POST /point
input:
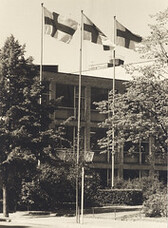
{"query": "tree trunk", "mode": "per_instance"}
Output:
(5, 206)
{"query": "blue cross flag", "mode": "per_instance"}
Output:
(58, 26)
(95, 35)
(126, 38)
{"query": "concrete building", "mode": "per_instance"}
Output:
(95, 88)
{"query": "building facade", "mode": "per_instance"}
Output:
(96, 89)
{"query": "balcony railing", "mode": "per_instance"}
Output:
(67, 154)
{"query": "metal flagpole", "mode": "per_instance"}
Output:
(82, 193)
(78, 128)
(113, 112)
(41, 60)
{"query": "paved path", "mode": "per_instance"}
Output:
(18, 220)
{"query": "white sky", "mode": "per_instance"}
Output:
(22, 18)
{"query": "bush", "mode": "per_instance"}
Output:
(156, 205)
(92, 186)
(92, 183)
(120, 196)
(149, 185)
(55, 187)
(48, 190)
(130, 192)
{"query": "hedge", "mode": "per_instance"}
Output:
(120, 196)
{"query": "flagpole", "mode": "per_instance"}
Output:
(41, 60)
(113, 112)
(79, 117)
(83, 169)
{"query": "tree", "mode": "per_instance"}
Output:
(24, 123)
(141, 113)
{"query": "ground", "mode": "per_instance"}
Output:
(114, 219)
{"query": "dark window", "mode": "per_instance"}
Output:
(163, 176)
(129, 147)
(130, 174)
(95, 135)
(70, 136)
(98, 94)
(67, 94)
(45, 95)
(69, 98)
(145, 147)
(82, 102)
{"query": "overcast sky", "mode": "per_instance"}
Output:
(22, 18)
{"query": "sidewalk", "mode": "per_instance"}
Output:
(23, 219)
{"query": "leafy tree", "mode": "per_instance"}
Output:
(141, 113)
(24, 123)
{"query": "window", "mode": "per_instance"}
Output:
(98, 94)
(130, 174)
(67, 94)
(82, 104)
(45, 95)
(130, 147)
(95, 135)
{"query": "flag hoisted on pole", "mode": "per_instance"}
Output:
(63, 29)
(125, 37)
(59, 26)
(92, 33)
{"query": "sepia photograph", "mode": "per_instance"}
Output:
(83, 113)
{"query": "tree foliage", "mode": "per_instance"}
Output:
(142, 111)
(25, 132)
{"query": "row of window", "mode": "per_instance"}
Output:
(69, 94)
(70, 133)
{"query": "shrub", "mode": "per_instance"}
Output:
(48, 189)
(149, 185)
(55, 187)
(92, 183)
(119, 196)
(92, 186)
(156, 205)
